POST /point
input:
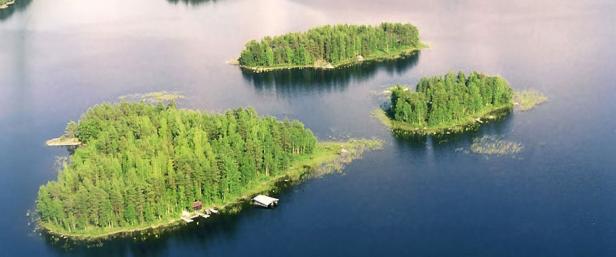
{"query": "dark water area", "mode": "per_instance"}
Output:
(416, 197)
(299, 82)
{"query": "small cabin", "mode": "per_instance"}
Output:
(197, 205)
(264, 201)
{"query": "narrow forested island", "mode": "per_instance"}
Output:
(447, 104)
(140, 165)
(331, 46)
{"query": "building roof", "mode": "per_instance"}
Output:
(264, 199)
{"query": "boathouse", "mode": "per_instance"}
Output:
(264, 201)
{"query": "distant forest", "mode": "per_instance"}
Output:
(448, 99)
(333, 45)
(142, 163)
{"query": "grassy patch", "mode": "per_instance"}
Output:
(153, 97)
(527, 99)
(63, 141)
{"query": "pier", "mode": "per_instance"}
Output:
(198, 211)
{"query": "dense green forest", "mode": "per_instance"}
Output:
(143, 163)
(442, 101)
(335, 45)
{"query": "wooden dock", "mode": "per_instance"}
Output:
(186, 216)
(191, 216)
(202, 215)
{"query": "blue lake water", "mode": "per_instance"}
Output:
(416, 197)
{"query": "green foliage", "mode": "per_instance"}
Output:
(447, 99)
(142, 163)
(71, 129)
(332, 44)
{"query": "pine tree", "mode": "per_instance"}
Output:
(144, 163)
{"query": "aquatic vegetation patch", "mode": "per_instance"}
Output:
(153, 97)
(495, 145)
(526, 100)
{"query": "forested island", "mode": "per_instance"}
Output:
(140, 165)
(447, 104)
(331, 46)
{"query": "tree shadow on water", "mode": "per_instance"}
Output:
(18, 6)
(445, 142)
(296, 82)
(196, 236)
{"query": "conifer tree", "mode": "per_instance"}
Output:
(142, 163)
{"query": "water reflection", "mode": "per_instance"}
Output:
(297, 82)
(501, 126)
(191, 2)
(19, 5)
(156, 243)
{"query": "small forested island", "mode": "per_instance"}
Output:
(447, 104)
(141, 165)
(6, 3)
(331, 46)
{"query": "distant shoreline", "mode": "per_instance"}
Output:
(329, 66)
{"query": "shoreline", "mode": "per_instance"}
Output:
(464, 125)
(333, 155)
(7, 5)
(63, 141)
(329, 66)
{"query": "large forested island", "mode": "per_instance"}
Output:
(140, 165)
(331, 46)
(448, 103)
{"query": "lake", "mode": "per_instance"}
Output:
(416, 197)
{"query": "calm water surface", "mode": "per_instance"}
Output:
(414, 198)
